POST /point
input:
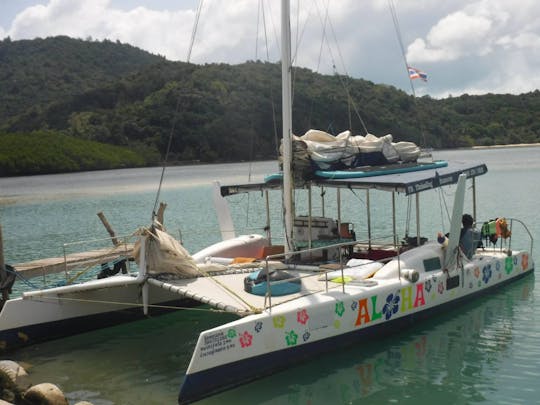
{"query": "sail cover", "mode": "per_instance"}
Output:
(164, 254)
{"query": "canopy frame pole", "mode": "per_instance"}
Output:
(368, 218)
(394, 219)
(417, 219)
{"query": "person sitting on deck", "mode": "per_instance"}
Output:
(469, 238)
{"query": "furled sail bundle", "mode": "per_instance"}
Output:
(164, 254)
(328, 152)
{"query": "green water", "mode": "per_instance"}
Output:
(487, 351)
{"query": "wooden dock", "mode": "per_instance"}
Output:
(43, 267)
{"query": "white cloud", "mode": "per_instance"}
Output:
(163, 32)
(226, 30)
(477, 29)
(456, 35)
(464, 46)
(522, 40)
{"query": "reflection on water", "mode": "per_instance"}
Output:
(137, 363)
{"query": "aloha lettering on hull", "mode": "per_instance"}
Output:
(343, 313)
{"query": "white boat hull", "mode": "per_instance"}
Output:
(260, 344)
(65, 311)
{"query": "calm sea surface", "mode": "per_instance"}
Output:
(487, 351)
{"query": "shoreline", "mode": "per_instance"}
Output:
(512, 145)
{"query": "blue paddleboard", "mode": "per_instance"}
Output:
(367, 172)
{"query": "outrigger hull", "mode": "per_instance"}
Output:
(61, 313)
(261, 344)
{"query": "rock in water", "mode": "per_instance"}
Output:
(14, 372)
(13, 380)
(45, 394)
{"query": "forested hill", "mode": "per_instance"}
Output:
(40, 71)
(115, 94)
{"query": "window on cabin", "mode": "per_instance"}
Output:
(432, 264)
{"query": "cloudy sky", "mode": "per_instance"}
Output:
(465, 46)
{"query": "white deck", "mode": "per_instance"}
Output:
(226, 292)
(42, 267)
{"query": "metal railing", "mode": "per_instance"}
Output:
(316, 269)
(508, 241)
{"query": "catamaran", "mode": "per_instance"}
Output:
(320, 288)
(326, 289)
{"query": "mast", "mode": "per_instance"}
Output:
(286, 91)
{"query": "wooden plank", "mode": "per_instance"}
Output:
(53, 265)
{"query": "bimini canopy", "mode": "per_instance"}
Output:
(408, 183)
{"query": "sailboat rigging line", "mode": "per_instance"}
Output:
(276, 36)
(258, 23)
(164, 165)
(130, 304)
(357, 196)
(395, 20)
(341, 77)
(298, 40)
(325, 22)
(272, 102)
(442, 202)
(175, 115)
(299, 33)
(229, 291)
(194, 32)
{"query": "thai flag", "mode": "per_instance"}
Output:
(417, 74)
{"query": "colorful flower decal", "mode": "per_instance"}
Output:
(508, 265)
(477, 272)
(231, 334)
(498, 266)
(245, 339)
(524, 261)
(391, 306)
(486, 273)
(302, 316)
(279, 322)
(427, 285)
(340, 308)
(354, 305)
(291, 338)
(337, 324)
(440, 287)
(258, 326)
(515, 260)
(306, 336)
